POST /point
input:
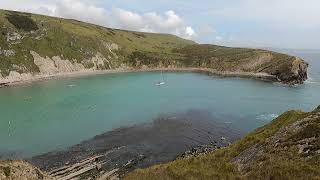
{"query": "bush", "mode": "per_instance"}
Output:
(22, 22)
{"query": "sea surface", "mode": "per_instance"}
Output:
(53, 115)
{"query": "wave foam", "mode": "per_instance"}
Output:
(267, 117)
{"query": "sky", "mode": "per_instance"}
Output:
(243, 23)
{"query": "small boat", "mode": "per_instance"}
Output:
(160, 83)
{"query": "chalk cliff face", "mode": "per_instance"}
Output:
(46, 46)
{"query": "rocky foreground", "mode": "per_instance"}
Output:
(286, 148)
(20, 170)
(34, 47)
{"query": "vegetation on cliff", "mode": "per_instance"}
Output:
(286, 148)
(23, 36)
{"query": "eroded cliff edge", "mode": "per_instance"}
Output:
(34, 47)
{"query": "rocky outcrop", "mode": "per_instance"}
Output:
(55, 66)
(20, 170)
(299, 70)
(15, 76)
(7, 53)
(294, 73)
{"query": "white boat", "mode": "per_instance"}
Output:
(160, 83)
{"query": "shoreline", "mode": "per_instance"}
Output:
(122, 150)
(75, 74)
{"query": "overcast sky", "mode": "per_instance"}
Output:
(253, 23)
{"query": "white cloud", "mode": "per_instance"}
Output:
(283, 13)
(169, 22)
(275, 23)
(85, 10)
(189, 31)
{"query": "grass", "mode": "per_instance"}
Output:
(73, 40)
(273, 163)
(79, 41)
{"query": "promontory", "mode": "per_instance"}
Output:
(34, 47)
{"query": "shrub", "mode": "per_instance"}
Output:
(22, 22)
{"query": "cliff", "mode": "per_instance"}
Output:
(286, 148)
(35, 46)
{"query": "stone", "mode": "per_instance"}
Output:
(99, 167)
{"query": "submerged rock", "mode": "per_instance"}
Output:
(126, 149)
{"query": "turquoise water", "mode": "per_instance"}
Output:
(55, 114)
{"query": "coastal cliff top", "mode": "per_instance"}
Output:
(286, 148)
(41, 45)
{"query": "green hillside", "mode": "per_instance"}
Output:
(40, 44)
(286, 148)
(72, 40)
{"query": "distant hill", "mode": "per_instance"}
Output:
(35, 45)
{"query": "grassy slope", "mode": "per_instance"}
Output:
(270, 152)
(78, 41)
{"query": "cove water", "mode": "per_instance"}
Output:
(52, 115)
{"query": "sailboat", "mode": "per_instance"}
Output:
(160, 83)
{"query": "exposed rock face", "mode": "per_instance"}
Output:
(99, 62)
(15, 76)
(294, 73)
(56, 65)
(7, 53)
(299, 69)
(66, 65)
(13, 36)
(20, 170)
(45, 65)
